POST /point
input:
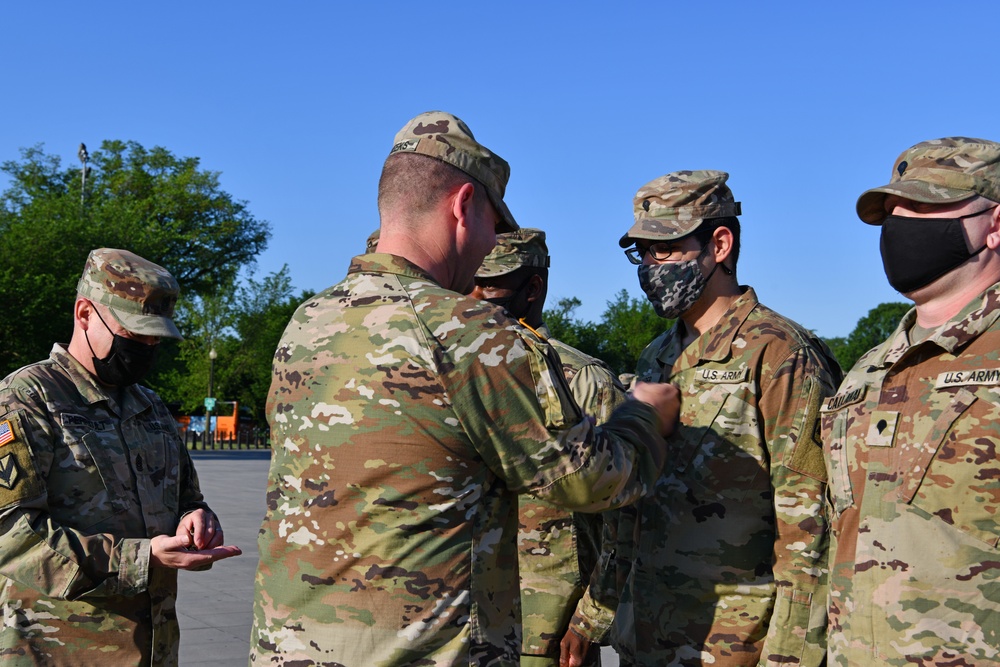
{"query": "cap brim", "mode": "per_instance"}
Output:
(495, 272)
(147, 325)
(871, 204)
(637, 233)
(507, 222)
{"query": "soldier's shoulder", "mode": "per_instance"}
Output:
(38, 377)
(767, 324)
(658, 343)
(576, 358)
(777, 338)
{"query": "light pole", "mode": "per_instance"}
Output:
(84, 158)
(210, 403)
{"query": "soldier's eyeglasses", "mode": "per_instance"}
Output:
(660, 251)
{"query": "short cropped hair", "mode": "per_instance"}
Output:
(704, 233)
(418, 182)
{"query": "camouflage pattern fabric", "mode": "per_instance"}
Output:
(445, 137)
(729, 567)
(674, 205)
(673, 287)
(86, 479)
(940, 171)
(558, 550)
(404, 418)
(911, 447)
(516, 250)
(140, 294)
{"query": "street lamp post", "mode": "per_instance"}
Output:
(210, 403)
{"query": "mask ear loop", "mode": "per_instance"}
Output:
(725, 269)
(86, 336)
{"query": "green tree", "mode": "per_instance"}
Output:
(871, 330)
(162, 207)
(243, 325)
(626, 326)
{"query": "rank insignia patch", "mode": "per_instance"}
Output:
(882, 431)
(8, 472)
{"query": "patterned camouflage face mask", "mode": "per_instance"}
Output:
(674, 287)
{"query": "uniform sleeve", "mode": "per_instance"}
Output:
(597, 391)
(595, 612)
(37, 552)
(528, 428)
(791, 400)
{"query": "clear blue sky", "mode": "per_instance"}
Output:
(806, 104)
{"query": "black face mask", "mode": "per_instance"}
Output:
(918, 251)
(127, 362)
(506, 302)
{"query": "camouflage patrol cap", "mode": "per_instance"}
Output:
(941, 171)
(372, 243)
(139, 294)
(675, 205)
(524, 247)
(445, 137)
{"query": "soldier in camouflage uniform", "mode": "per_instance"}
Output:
(911, 436)
(404, 418)
(729, 567)
(557, 550)
(99, 501)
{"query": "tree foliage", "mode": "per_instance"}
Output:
(871, 330)
(626, 326)
(162, 207)
(243, 325)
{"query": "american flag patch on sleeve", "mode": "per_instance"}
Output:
(6, 433)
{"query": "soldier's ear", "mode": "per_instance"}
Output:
(462, 201)
(535, 288)
(993, 236)
(83, 310)
(722, 244)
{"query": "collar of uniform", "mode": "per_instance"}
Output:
(890, 350)
(92, 391)
(976, 317)
(380, 262)
(543, 331)
(716, 343)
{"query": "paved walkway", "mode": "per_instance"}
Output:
(215, 607)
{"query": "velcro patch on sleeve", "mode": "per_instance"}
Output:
(807, 458)
(18, 478)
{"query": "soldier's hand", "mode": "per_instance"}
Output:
(173, 551)
(662, 397)
(573, 649)
(204, 528)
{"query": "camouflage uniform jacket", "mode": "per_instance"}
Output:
(404, 418)
(557, 550)
(730, 563)
(87, 477)
(911, 444)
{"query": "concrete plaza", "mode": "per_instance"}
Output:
(215, 607)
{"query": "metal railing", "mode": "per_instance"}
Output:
(257, 439)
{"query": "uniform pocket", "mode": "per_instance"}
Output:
(112, 468)
(724, 455)
(952, 469)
